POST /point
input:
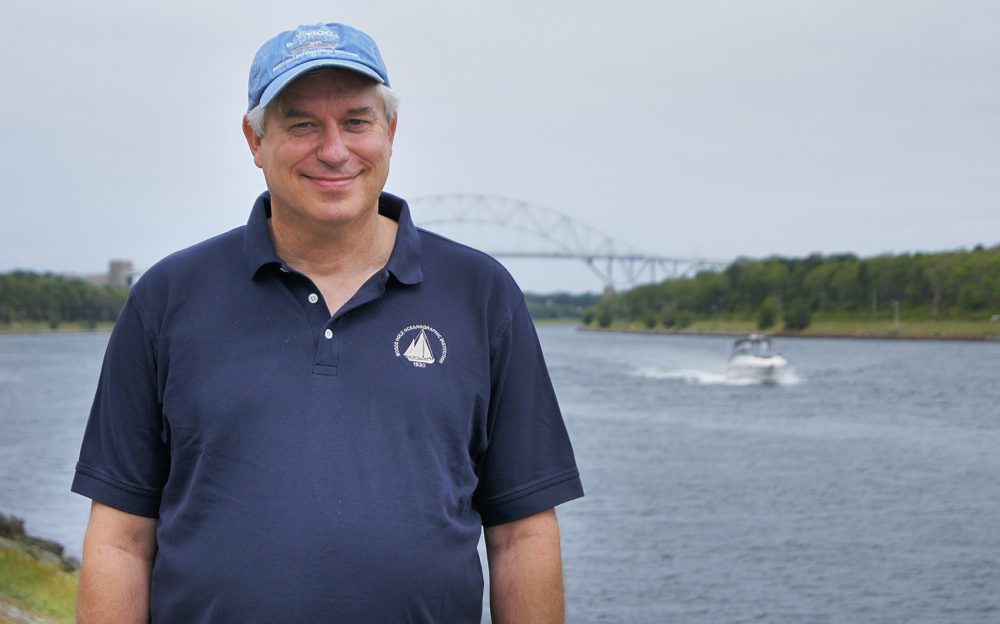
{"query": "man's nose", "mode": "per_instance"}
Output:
(332, 148)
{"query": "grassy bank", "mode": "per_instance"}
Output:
(35, 586)
(38, 327)
(932, 330)
(907, 329)
(37, 582)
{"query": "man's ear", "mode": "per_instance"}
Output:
(252, 140)
(392, 130)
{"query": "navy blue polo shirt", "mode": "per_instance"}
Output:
(309, 468)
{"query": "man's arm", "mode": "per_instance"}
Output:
(526, 584)
(118, 553)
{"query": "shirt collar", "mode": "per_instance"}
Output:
(403, 264)
(258, 248)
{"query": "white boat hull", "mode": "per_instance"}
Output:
(756, 367)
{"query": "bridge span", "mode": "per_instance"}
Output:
(543, 233)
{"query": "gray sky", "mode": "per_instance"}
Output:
(716, 129)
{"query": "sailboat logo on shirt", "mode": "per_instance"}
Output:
(422, 350)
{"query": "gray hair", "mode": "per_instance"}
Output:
(389, 98)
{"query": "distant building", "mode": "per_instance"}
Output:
(120, 273)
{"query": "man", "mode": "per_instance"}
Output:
(311, 418)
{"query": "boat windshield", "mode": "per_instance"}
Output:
(760, 347)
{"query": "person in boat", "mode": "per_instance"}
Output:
(312, 418)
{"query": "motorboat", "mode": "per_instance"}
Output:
(754, 358)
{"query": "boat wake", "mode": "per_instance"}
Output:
(694, 377)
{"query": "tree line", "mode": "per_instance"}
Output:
(559, 305)
(31, 297)
(794, 291)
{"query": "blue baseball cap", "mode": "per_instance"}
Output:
(291, 53)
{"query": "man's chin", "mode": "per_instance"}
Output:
(340, 212)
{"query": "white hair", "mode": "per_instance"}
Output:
(389, 98)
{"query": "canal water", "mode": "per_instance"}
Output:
(863, 487)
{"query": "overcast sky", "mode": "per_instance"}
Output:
(714, 129)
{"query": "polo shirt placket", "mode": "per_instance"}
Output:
(322, 327)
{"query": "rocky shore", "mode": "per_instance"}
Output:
(25, 559)
(13, 535)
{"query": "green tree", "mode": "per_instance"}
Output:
(685, 318)
(767, 314)
(26, 296)
(797, 316)
(959, 284)
(604, 316)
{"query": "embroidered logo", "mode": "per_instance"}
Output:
(319, 42)
(421, 351)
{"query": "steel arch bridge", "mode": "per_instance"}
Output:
(553, 235)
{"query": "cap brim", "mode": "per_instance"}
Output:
(286, 78)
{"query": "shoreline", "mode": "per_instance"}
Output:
(102, 328)
(39, 579)
(722, 333)
(732, 333)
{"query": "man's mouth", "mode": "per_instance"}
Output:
(332, 182)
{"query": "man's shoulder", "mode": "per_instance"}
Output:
(465, 264)
(221, 253)
(440, 249)
(456, 273)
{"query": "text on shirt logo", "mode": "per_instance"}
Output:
(421, 351)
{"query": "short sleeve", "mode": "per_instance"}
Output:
(123, 460)
(528, 465)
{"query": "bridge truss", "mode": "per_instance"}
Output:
(549, 234)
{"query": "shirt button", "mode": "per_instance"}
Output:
(328, 334)
(313, 297)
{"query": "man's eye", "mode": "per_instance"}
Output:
(303, 125)
(356, 123)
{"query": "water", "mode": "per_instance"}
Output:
(47, 383)
(862, 487)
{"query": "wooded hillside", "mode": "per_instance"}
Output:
(793, 291)
(27, 296)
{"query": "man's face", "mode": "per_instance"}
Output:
(325, 150)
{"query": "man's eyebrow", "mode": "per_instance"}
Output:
(361, 110)
(294, 112)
